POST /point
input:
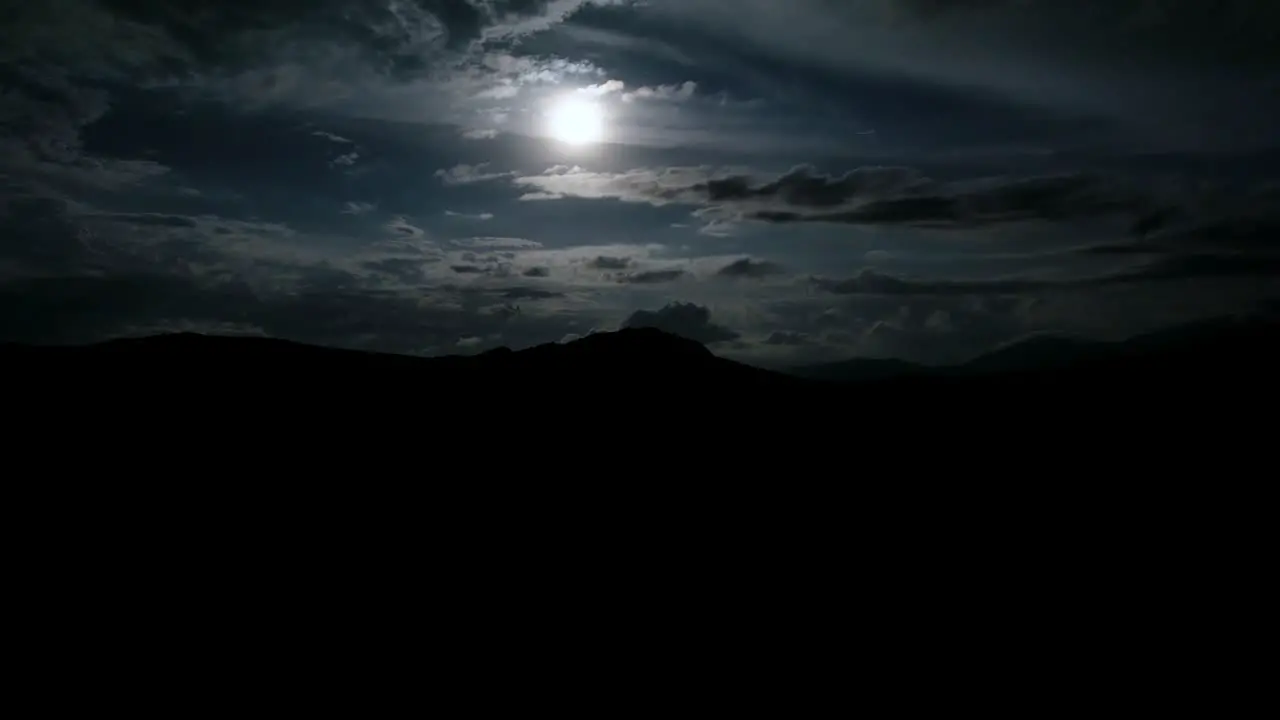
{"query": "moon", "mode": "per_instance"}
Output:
(576, 121)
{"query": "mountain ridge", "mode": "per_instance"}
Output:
(640, 398)
(642, 352)
(1045, 354)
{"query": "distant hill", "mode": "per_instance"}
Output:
(1039, 352)
(1234, 349)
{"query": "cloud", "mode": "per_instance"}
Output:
(1200, 265)
(1168, 68)
(787, 338)
(469, 216)
(606, 262)
(1174, 267)
(134, 37)
(604, 88)
(408, 271)
(358, 208)
(72, 274)
(43, 114)
(871, 282)
(111, 108)
(345, 160)
(355, 58)
(687, 320)
(664, 93)
(420, 60)
(650, 277)
(748, 268)
(144, 219)
(525, 293)
(469, 174)
(653, 186)
(330, 136)
(368, 320)
(496, 243)
(400, 226)
(867, 195)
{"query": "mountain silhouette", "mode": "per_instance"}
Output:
(648, 354)
(626, 359)
(646, 417)
(644, 364)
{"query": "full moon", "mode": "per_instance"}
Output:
(575, 121)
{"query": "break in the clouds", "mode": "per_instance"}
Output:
(782, 181)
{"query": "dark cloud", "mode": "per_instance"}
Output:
(1253, 228)
(803, 186)
(39, 236)
(157, 219)
(869, 195)
(402, 227)
(786, 338)
(1201, 266)
(748, 268)
(918, 201)
(1235, 236)
(684, 319)
(872, 282)
(530, 294)
(605, 262)
(43, 114)
(650, 277)
(408, 270)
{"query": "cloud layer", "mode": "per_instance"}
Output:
(786, 182)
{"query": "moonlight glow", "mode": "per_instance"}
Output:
(575, 121)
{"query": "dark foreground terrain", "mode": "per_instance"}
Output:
(268, 488)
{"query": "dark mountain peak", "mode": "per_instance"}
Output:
(648, 342)
(638, 352)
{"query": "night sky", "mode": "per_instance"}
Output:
(787, 181)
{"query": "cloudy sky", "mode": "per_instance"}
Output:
(786, 181)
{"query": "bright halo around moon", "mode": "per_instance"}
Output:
(576, 121)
